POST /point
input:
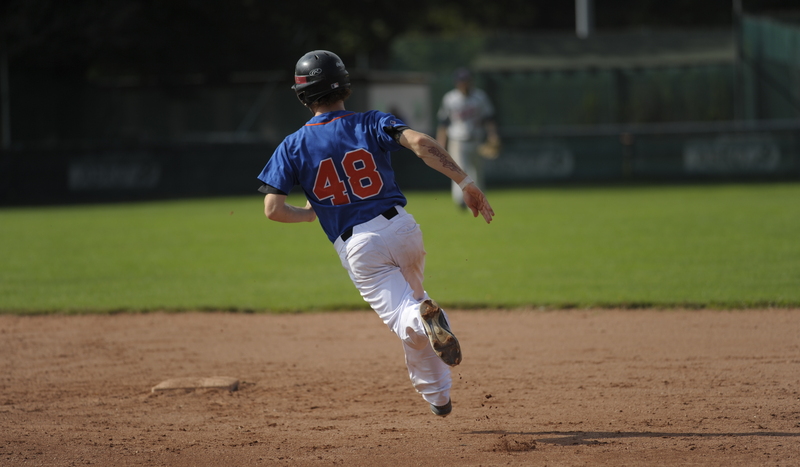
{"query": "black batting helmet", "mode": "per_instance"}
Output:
(319, 73)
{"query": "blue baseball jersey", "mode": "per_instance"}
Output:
(342, 161)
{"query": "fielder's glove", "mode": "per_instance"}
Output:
(490, 149)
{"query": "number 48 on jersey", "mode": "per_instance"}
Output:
(362, 176)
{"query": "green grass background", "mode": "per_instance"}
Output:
(735, 245)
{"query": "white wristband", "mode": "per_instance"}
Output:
(467, 180)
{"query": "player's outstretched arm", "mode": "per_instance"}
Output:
(437, 158)
(432, 153)
(276, 209)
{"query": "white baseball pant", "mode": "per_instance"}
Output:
(385, 259)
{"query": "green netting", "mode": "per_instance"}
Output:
(557, 80)
(771, 68)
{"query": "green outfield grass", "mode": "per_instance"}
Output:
(717, 245)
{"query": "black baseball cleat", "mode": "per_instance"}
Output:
(443, 410)
(442, 339)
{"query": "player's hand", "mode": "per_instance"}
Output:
(476, 201)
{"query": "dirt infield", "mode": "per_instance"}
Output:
(582, 387)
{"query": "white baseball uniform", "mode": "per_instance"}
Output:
(464, 117)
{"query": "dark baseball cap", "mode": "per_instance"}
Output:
(463, 74)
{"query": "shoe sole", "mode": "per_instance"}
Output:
(442, 411)
(443, 341)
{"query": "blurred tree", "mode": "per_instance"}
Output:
(166, 37)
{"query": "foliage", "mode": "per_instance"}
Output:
(91, 37)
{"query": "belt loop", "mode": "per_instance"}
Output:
(348, 232)
(391, 212)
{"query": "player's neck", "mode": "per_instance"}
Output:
(323, 109)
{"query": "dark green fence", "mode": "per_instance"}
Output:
(538, 80)
(620, 107)
(770, 67)
(649, 152)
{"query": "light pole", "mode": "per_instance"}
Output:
(584, 18)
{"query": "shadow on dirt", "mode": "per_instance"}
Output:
(573, 438)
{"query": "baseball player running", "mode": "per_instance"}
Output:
(341, 160)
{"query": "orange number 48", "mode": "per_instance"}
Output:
(362, 175)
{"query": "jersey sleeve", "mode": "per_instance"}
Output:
(270, 190)
(279, 173)
(387, 122)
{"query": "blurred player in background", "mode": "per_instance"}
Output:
(468, 130)
(342, 161)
